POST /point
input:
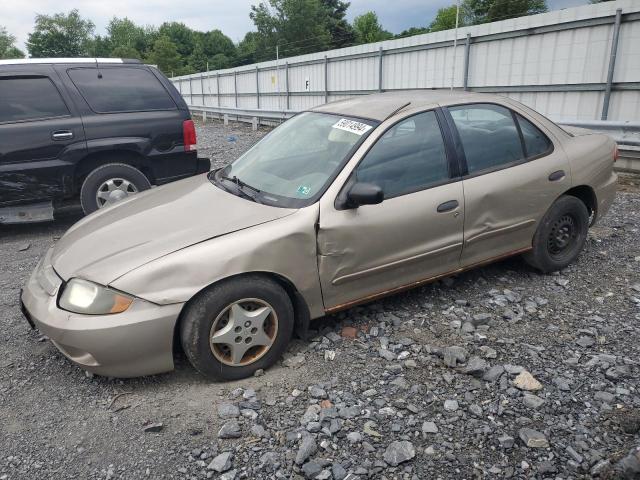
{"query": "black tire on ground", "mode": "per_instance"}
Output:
(200, 314)
(560, 236)
(100, 175)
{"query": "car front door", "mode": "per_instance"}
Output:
(39, 135)
(415, 234)
(512, 175)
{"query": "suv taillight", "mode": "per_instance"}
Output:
(189, 136)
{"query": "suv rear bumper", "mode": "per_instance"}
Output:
(204, 165)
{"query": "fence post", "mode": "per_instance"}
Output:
(190, 91)
(467, 52)
(286, 79)
(218, 88)
(612, 64)
(202, 88)
(235, 88)
(380, 53)
(326, 79)
(257, 87)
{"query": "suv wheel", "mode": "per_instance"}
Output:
(110, 183)
(237, 327)
(560, 236)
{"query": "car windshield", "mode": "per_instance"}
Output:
(293, 165)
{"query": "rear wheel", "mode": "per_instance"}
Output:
(110, 183)
(237, 327)
(560, 236)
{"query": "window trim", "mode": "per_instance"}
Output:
(36, 119)
(452, 163)
(460, 148)
(130, 66)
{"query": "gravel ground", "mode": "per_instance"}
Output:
(497, 373)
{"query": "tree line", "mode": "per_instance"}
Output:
(282, 28)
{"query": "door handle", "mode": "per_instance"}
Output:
(448, 206)
(62, 135)
(556, 176)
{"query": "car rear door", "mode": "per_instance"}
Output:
(40, 135)
(413, 235)
(512, 174)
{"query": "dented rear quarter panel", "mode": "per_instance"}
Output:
(285, 247)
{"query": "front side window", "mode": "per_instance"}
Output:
(409, 157)
(489, 136)
(121, 89)
(29, 98)
(294, 163)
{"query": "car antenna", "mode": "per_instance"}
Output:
(397, 110)
(98, 67)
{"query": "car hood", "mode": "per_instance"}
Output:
(111, 242)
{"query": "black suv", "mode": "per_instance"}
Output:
(99, 129)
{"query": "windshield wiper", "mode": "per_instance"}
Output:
(240, 185)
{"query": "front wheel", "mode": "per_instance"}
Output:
(237, 327)
(560, 236)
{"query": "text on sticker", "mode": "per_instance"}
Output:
(358, 128)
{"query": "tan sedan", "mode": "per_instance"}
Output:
(340, 205)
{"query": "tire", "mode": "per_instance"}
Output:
(127, 179)
(207, 313)
(561, 235)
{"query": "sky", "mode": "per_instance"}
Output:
(230, 16)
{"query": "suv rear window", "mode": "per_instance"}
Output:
(121, 89)
(29, 98)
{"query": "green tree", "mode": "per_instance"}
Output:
(165, 55)
(246, 52)
(445, 19)
(342, 33)
(198, 59)
(124, 51)
(409, 32)
(368, 29)
(127, 36)
(215, 42)
(61, 35)
(181, 36)
(483, 11)
(7, 45)
(296, 26)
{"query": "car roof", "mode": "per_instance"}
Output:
(31, 61)
(380, 106)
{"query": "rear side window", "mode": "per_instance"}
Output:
(409, 157)
(489, 136)
(123, 89)
(536, 143)
(29, 98)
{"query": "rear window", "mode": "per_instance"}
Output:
(122, 89)
(29, 98)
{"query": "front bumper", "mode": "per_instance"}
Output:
(129, 344)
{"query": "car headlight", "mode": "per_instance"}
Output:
(81, 296)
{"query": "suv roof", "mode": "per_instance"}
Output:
(23, 61)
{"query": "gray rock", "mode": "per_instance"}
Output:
(429, 427)
(230, 475)
(454, 355)
(532, 438)
(311, 469)
(573, 454)
(493, 373)
(338, 471)
(230, 429)
(317, 392)
(481, 319)
(399, 452)
(451, 405)
(476, 367)
(307, 448)
(467, 327)
(228, 410)
(349, 412)
(629, 466)
(488, 352)
(586, 342)
(506, 441)
(354, 437)
(294, 361)
(259, 431)
(532, 401)
(605, 397)
(387, 354)
(222, 462)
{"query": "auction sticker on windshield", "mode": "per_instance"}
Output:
(352, 126)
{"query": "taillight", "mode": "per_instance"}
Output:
(189, 136)
(615, 153)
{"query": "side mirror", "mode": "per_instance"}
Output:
(364, 194)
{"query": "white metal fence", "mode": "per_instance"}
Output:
(577, 64)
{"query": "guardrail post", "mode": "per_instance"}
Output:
(235, 88)
(286, 81)
(467, 52)
(218, 88)
(257, 87)
(380, 53)
(326, 79)
(612, 64)
(204, 116)
(226, 119)
(254, 123)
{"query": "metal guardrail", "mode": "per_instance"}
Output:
(626, 134)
